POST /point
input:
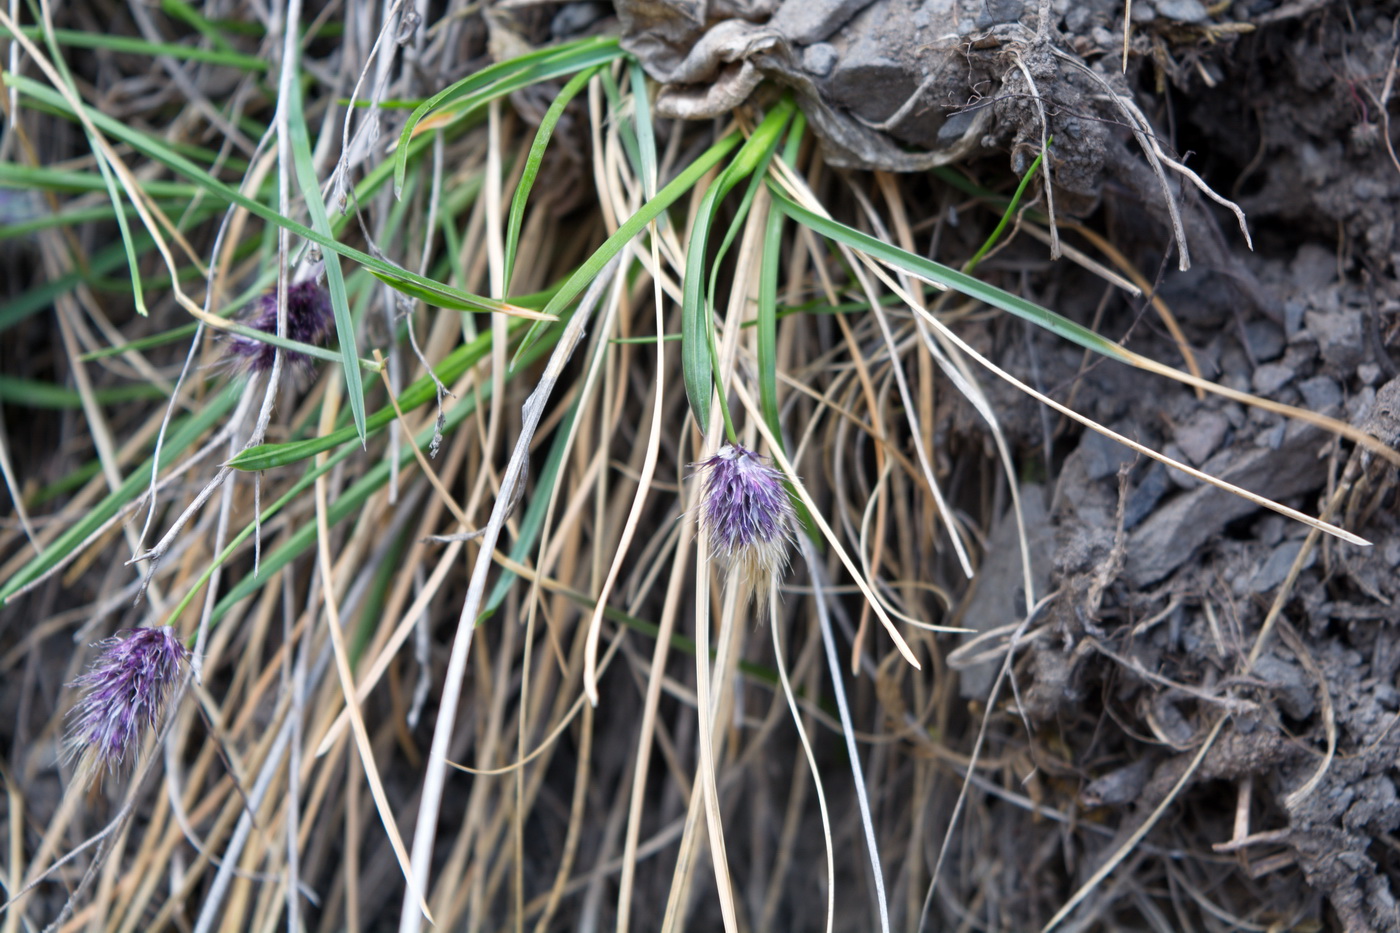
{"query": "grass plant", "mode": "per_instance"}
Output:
(459, 652)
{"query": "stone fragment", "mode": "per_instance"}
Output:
(1265, 340)
(1201, 436)
(1275, 570)
(819, 59)
(1271, 377)
(1183, 11)
(1320, 393)
(1000, 598)
(1338, 336)
(1102, 456)
(1172, 535)
(1295, 694)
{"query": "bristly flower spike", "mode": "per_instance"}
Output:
(125, 693)
(747, 513)
(309, 320)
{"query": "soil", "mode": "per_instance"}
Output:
(1150, 678)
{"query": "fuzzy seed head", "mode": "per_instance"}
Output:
(747, 513)
(125, 692)
(309, 320)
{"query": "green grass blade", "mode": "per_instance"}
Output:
(348, 503)
(768, 322)
(634, 225)
(310, 186)
(422, 391)
(500, 79)
(949, 277)
(394, 276)
(131, 45)
(1006, 214)
(181, 437)
(646, 133)
(183, 12)
(42, 177)
(31, 393)
(109, 180)
(626, 129)
(696, 361)
(756, 181)
(182, 332)
(533, 161)
(133, 262)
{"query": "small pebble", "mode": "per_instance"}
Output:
(1265, 340)
(1199, 437)
(1273, 437)
(1339, 338)
(1293, 317)
(1276, 568)
(1271, 377)
(1320, 393)
(1183, 480)
(1183, 11)
(819, 59)
(1102, 456)
(1144, 498)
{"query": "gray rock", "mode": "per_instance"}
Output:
(1145, 495)
(1201, 436)
(1183, 11)
(1271, 377)
(1338, 336)
(1000, 598)
(1265, 340)
(1275, 570)
(1293, 317)
(819, 59)
(954, 127)
(1144, 12)
(814, 20)
(1272, 437)
(1102, 456)
(1118, 787)
(1313, 269)
(1290, 683)
(1000, 11)
(1320, 393)
(1077, 20)
(1173, 534)
(1183, 480)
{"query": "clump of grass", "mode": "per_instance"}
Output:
(485, 527)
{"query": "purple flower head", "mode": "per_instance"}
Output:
(309, 320)
(747, 513)
(125, 691)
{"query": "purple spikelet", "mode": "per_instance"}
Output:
(124, 692)
(309, 320)
(747, 513)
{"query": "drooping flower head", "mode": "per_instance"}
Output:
(309, 320)
(125, 693)
(747, 513)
